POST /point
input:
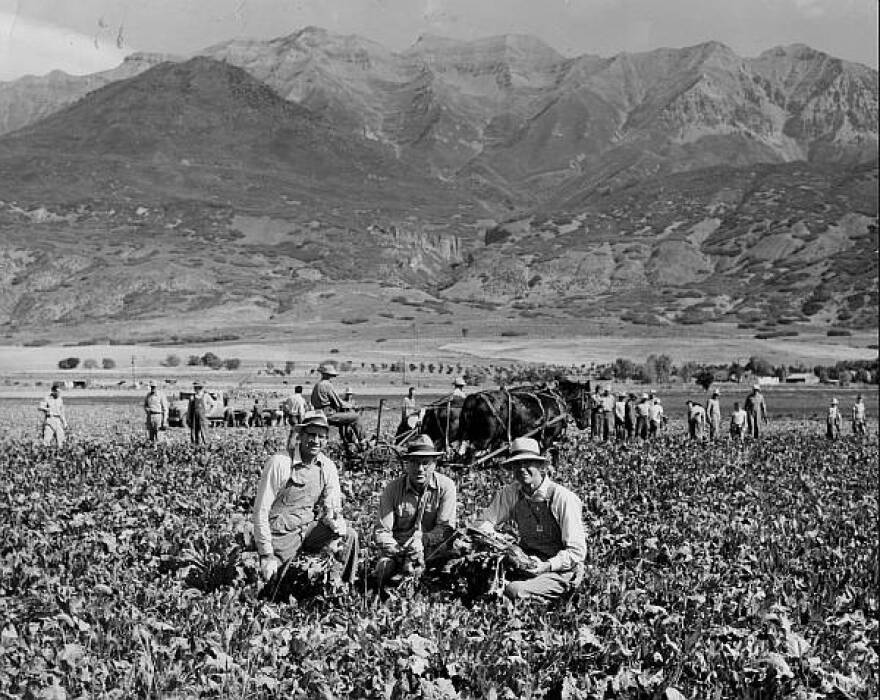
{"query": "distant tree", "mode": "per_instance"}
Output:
(231, 363)
(658, 368)
(431, 368)
(108, 363)
(412, 367)
(171, 361)
(289, 367)
(270, 366)
(781, 373)
(688, 371)
(759, 366)
(193, 361)
(474, 376)
(209, 359)
(607, 373)
(623, 368)
(422, 367)
(705, 378)
(90, 364)
(68, 363)
(346, 366)
(844, 376)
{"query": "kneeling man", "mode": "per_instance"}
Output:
(551, 529)
(417, 513)
(298, 506)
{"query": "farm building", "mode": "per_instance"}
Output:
(802, 378)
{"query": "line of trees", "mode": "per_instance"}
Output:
(90, 363)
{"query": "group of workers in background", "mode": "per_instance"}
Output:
(622, 417)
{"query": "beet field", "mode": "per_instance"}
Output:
(713, 571)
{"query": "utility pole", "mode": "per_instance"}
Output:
(132, 370)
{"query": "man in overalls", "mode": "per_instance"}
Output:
(298, 506)
(417, 514)
(54, 420)
(200, 406)
(551, 529)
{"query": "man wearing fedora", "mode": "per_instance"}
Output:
(756, 410)
(551, 529)
(458, 385)
(713, 414)
(339, 412)
(417, 514)
(156, 410)
(833, 420)
(200, 406)
(298, 506)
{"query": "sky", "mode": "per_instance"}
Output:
(84, 36)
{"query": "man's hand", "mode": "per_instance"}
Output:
(537, 567)
(269, 565)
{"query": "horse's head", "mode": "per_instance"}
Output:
(576, 395)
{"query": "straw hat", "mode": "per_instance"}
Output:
(525, 450)
(421, 446)
(328, 369)
(313, 419)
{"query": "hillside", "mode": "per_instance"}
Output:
(492, 179)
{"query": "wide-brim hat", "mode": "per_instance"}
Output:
(152, 382)
(834, 401)
(715, 392)
(313, 419)
(645, 397)
(421, 446)
(328, 369)
(756, 387)
(198, 385)
(525, 450)
(458, 381)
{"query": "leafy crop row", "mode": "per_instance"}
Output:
(713, 571)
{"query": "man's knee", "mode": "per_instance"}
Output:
(517, 590)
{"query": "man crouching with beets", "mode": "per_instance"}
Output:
(298, 506)
(551, 529)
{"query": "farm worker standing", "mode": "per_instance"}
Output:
(549, 519)
(156, 409)
(738, 421)
(295, 406)
(696, 420)
(643, 411)
(417, 514)
(54, 420)
(655, 417)
(832, 421)
(410, 405)
(458, 389)
(858, 417)
(298, 506)
(341, 413)
(596, 413)
(608, 404)
(631, 416)
(713, 414)
(620, 417)
(756, 409)
(200, 406)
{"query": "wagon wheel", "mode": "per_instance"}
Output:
(380, 457)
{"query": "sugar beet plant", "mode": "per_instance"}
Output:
(713, 571)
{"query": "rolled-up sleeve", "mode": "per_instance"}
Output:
(568, 511)
(446, 514)
(384, 533)
(331, 496)
(275, 474)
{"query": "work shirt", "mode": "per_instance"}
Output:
(655, 412)
(713, 410)
(410, 407)
(155, 402)
(296, 406)
(755, 405)
(643, 409)
(282, 470)
(620, 410)
(858, 411)
(458, 393)
(608, 404)
(529, 512)
(402, 510)
(833, 415)
(202, 403)
(325, 398)
(738, 417)
(53, 407)
(697, 413)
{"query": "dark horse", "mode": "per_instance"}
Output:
(489, 419)
(441, 422)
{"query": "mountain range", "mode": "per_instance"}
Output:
(672, 186)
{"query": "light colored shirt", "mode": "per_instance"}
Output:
(620, 410)
(276, 474)
(858, 411)
(410, 407)
(655, 412)
(155, 402)
(296, 406)
(399, 506)
(833, 414)
(697, 413)
(565, 507)
(202, 403)
(738, 417)
(713, 409)
(53, 407)
(643, 408)
(458, 393)
(608, 404)
(324, 397)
